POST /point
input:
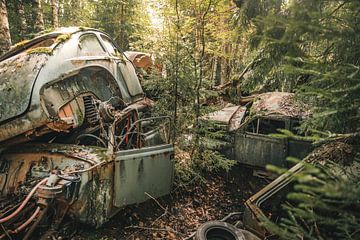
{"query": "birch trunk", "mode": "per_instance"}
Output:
(55, 13)
(5, 39)
(23, 24)
(39, 19)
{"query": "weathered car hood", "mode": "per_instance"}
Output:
(17, 77)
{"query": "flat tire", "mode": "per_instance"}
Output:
(216, 230)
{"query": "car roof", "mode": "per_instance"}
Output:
(276, 105)
(21, 46)
(279, 104)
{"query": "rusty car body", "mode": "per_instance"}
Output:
(266, 203)
(252, 125)
(140, 59)
(55, 74)
(76, 137)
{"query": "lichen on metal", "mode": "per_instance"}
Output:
(40, 50)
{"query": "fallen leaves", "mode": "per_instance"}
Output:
(178, 215)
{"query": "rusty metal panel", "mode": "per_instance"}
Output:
(223, 116)
(98, 83)
(16, 88)
(36, 95)
(140, 59)
(230, 116)
(259, 150)
(254, 206)
(279, 104)
(140, 171)
(129, 75)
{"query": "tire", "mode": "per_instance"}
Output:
(216, 230)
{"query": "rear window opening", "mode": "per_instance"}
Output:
(265, 126)
(45, 43)
(25, 46)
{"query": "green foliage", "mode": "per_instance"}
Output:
(323, 205)
(309, 47)
(207, 158)
(120, 19)
(211, 161)
(115, 17)
(190, 169)
(284, 133)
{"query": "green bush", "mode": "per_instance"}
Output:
(325, 204)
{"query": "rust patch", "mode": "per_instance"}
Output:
(59, 126)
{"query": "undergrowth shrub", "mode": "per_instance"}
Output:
(324, 204)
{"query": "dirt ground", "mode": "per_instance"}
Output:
(175, 216)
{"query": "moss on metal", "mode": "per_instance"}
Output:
(20, 44)
(40, 50)
(82, 28)
(62, 38)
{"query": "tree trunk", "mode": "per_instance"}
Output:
(39, 16)
(5, 39)
(202, 25)
(124, 41)
(177, 63)
(55, 13)
(23, 24)
(217, 71)
(225, 67)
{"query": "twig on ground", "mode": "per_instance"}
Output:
(190, 236)
(158, 218)
(157, 202)
(156, 229)
(231, 215)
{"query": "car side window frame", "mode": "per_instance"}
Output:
(121, 52)
(256, 125)
(104, 38)
(97, 39)
(124, 60)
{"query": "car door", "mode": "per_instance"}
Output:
(254, 147)
(144, 172)
(141, 173)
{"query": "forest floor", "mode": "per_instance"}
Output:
(179, 214)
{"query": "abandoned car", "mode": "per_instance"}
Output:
(251, 126)
(76, 137)
(266, 204)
